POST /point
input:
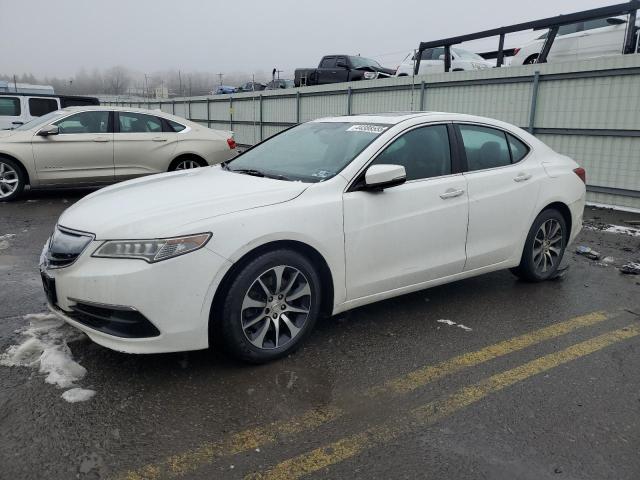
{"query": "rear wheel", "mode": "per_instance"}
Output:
(544, 247)
(187, 163)
(531, 59)
(270, 307)
(12, 180)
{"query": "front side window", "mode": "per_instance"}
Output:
(597, 23)
(328, 62)
(9, 106)
(139, 123)
(311, 152)
(85, 122)
(42, 106)
(361, 62)
(484, 147)
(423, 152)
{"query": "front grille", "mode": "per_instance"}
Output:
(65, 246)
(118, 321)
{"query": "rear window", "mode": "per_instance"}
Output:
(9, 106)
(42, 106)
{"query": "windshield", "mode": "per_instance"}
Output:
(36, 122)
(359, 62)
(311, 152)
(467, 55)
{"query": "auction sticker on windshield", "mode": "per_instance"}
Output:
(367, 128)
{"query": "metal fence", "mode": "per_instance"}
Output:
(589, 110)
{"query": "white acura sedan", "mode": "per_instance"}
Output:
(324, 217)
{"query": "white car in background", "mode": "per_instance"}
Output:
(432, 61)
(322, 218)
(93, 146)
(593, 38)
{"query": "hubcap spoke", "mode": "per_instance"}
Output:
(292, 328)
(301, 292)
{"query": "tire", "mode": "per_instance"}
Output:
(186, 163)
(250, 319)
(531, 59)
(12, 179)
(536, 265)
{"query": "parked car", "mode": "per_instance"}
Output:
(251, 87)
(341, 68)
(280, 83)
(432, 61)
(224, 89)
(319, 219)
(593, 38)
(102, 145)
(19, 108)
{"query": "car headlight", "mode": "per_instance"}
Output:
(153, 250)
(370, 75)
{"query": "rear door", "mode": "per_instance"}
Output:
(11, 110)
(503, 181)
(81, 153)
(143, 144)
(565, 45)
(600, 38)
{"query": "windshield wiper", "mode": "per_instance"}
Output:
(258, 173)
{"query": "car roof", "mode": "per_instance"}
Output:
(390, 118)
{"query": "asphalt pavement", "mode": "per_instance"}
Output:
(541, 381)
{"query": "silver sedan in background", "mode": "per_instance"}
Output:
(87, 146)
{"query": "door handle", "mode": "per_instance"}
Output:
(451, 193)
(522, 177)
(17, 123)
(159, 139)
(100, 139)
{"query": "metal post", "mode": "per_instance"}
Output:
(209, 112)
(500, 59)
(416, 63)
(231, 113)
(260, 119)
(447, 58)
(629, 41)
(423, 86)
(546, 48)
(298, 106)
(189, 109)
(349, 101)
(173, 107)
(534, 101)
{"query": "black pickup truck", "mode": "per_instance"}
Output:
(341, 68)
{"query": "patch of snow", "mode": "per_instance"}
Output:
(7, 236)
(634, 232)
(45, 348)
(464, 327)
(78, 395)
(445, 321)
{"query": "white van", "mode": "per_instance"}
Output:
(19, 108)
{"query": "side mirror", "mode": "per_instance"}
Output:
(379, 177)
(49, 130)
(615, 21)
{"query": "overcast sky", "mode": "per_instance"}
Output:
(60, 37)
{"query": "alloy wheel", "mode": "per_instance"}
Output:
(547, 246)
(276, 307)
(8, 180)
(187, 164)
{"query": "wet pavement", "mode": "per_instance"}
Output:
(545, 383)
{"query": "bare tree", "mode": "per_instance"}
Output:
(116, 80)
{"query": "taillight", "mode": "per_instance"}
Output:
(515, 51)
(232, 143)
(582, 173)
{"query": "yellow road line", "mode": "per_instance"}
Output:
(432, 412)
(183, 463)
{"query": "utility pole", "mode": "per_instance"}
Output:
(146, 86)
(220, 75)
(15, 83)
(180, 82)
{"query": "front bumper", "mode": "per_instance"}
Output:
(174, 296)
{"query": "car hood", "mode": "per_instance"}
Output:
(164, 205)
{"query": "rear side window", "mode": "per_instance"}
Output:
(175, 126)
(484, 147)
(423, 152)
(139, 123)
(42, 106)
(9, 107)
(518, 149)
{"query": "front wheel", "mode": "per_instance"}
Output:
(544, 247)
(270, 307)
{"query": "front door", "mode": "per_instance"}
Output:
(82, 152)
(412, 233)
